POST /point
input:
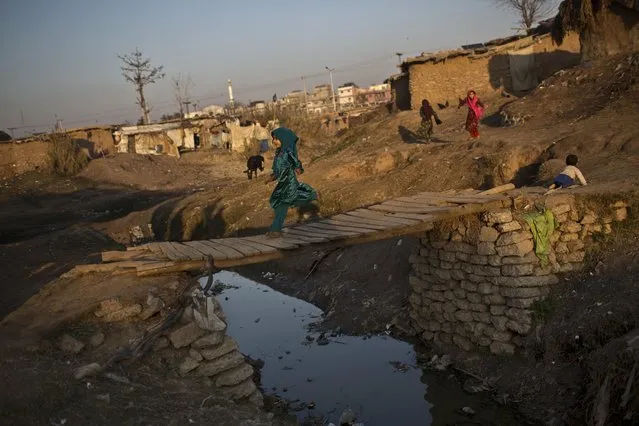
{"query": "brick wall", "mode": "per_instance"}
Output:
(452, 78)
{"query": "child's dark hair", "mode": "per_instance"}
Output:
(572, 160)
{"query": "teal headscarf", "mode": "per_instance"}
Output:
(288, 138)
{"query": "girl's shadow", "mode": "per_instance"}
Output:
(411, 137)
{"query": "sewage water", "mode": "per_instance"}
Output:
(376, 377)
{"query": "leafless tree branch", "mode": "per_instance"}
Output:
(138, 71)
(529, 11)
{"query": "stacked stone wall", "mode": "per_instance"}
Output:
(475, 282)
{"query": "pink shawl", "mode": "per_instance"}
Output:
(473, 104)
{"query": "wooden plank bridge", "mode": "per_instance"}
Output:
(399, 216)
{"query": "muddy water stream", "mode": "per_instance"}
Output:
(375, 377)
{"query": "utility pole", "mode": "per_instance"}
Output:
(187, 103)
(330, 72)
(11, 129)
(399, 57)
(305, 96)
(231, 100)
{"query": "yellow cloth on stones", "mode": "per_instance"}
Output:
(542, 225)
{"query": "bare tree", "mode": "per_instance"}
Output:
(530, 11)
(182, 86)
(139, 72)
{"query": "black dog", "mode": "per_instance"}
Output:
(252, 164)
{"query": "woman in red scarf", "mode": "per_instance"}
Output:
(475, 112)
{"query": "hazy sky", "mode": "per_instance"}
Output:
(60, 57)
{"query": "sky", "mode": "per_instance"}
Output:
(59, 58)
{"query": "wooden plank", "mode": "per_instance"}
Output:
(355, 224)
(327, 231)
(234, 244)
(263, 248)
(415, 216)
(155, 248)
(426, 207)
(298, 233)
(382, 221)
(170, 252)
(207, 250)
(117, 255)
(281, 243)
(303, 239)
(228, 252)
(401, 209)
(189, 251)
(347, 228)
(462, 199)
(366, 213)
(426, 201)
(499, 189)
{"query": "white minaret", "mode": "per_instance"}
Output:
(231, 100)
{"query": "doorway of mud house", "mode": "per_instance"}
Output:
(131, 144)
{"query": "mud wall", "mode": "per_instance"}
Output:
(21, 157)
(451, 78)
(614, 31)
(474, 282)
(97, 141)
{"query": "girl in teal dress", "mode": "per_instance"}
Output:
(288, 192)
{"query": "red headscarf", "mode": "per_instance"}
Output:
(473, 104)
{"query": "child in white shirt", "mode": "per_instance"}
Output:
(567, 177)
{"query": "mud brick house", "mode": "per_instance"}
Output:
(605, 27)
(515, 65)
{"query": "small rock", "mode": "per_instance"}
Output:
(212, 339)
(153, 305)
(87, 370)
(468, 410)
(97, 339)
(188, 365)
(160, 343)
(186, 335)
(347, 417)
(196, 355)
(104, 398)
(69, 344)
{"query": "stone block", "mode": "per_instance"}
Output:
(485, 288)
(87, 370)
(478, 307)
(433, 326)
(576, 245)
(462, 342)
(519, 249)
(530, 257)
(619, 204)
(607, 229)
(449, 307)
(458, 275)
(570, 227)
(494, 299)
(449, 295)
(208, 341)
(477, 259)
(468, 286)
(568, 237)
(234, 376)
(435, 296)
(525, 281)
(514, 237)
(445, 265)
(555, 236)
(436, 307)
(499, 322)
(487, 271)
(561, 218)
(463, 257)
(476, 279)
(461, 330)
(499, 348)
(509, 227)
(486, 249)
(459, 293)
(488, 234)
(498, 216)
(482, 317)
(219, 365)
(496, 335)
(518, 327)
(494, 260)
(241, 391)
(620, 214)
(573, 215)
(228, 345)
(415, 300)
(206, 317)
(484, 341)
(97, 339)
(560, 209)
(561, 248)
(188, 365)
(460, 247)
(473, 297)
(498, 310)
(447, 256)
(442, 274)
(445, 338)
(416, 259)
(464, 316)
(456, 236)
(427, 336)
(447, 327)
(438, 244)
(518, 341)
(521, 315)
(589, 219)
(517, 270)
(185, 335)
(196, 355)
(461, 304)
(522, 303)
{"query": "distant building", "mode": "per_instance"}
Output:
(347, 96)
(378, 94)
(257, 106)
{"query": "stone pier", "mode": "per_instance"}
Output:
(475, 280)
